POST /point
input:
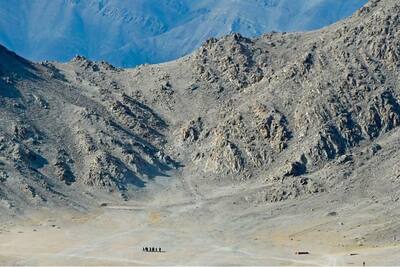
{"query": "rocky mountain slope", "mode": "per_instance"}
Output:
(127, 33)
(288, 115)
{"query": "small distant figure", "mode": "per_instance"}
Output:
(152, 249)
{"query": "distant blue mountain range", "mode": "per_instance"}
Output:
(131, 32)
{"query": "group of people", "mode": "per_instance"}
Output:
(152, 249)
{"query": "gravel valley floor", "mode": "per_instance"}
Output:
(213, 231)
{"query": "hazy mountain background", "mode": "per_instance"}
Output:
(132, 32)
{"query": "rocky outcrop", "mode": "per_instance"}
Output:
(107, 171)
(272, 125)
(225, 158)
(293, 189)
(63, 169)
(231, 59)
(191, 132)
(382, 115)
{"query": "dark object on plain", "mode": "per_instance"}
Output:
(302, 253)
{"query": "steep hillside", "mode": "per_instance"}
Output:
(127, 33)
(288, 115)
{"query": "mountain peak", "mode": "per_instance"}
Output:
(142, 31)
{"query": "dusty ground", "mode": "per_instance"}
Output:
(195, 231)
